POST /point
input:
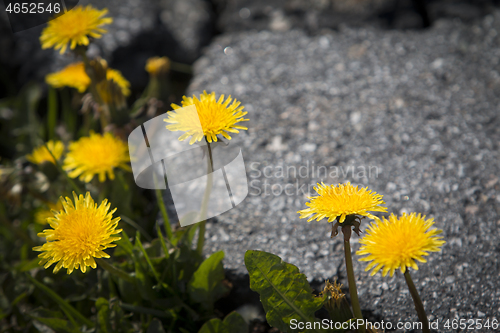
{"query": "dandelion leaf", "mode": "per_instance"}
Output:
(205, 286)
(284, 291)
(233, 323)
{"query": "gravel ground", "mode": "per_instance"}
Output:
(412, 115)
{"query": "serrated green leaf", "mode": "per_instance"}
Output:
(213, 326)
(284, 291)
(235, 323)
(205, 286)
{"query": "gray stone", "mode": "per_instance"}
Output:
(190, 22)
(315, 15)
(428, 104)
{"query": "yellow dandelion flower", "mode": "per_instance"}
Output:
(117, 77)
(81, 231)
(41, 215)
(398, 242)
(74, 27)
(96, 155)
(41, 154)
(341, 201)
(73, 76)
(157, 65)
(214, 116)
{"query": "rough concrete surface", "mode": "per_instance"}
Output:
(412, 115)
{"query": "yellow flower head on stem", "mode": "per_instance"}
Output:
(157, 65)
(74, 27)
(73, 76)
(340, 201)
(80, 232)
(41, 155)
(215, 116)
(96, 155)
(398, 242)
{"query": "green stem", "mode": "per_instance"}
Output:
(58, 166)
(164, 214)
(115, 270)
(103, 107)
(103, 118)
(204, 203)
(179, 67)
(352, 284)
(69, 117)
(419, 306)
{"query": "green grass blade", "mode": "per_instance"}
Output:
(162, 241)
(51, 113)
(64, 305)
(148, 260)
(163, 210)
